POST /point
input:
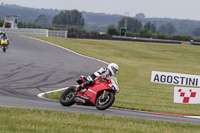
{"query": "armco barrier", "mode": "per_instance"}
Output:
(150, 40)
(124, 38)
(37, 32)
(56, 33)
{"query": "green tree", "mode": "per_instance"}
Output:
(69, 18)
(133, 25)
(150, 27)
(112, 30)
(76, 30)
(94, 32)
(196, 31)
(1, 23)
(140, 16)
(144, 33)
(147, 26)
(168, 28)
(153, 28)
(42, 20)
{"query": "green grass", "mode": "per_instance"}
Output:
(136, 61)
(19, 120)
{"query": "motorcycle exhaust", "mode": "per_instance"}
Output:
(79, 100)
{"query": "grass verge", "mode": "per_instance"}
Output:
(33, 120)
(136, 61)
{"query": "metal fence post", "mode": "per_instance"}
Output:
(65, 34)
(47, 33)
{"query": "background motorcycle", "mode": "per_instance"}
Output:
(4, 44)
(101, 94)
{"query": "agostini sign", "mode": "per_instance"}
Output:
(175, 78)
(186, 95)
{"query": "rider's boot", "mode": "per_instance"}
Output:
(80, 87)
(84, 86)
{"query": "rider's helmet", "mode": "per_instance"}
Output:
(114, 68)
(4, 35)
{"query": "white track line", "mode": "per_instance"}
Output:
(69, 50)
(195, 117)
(41, 95)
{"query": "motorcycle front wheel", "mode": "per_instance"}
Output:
(67, 98)
(4, 49)
(105, 101)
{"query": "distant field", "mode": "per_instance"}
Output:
(136, 61)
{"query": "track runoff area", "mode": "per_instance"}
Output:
(180, 93)
(183, 95)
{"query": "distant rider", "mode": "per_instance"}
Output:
(4, 37)
(105, 72)
(1, 33)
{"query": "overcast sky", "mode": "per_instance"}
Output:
(181, 9)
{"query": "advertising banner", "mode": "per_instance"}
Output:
(186, 95)
(175, 78)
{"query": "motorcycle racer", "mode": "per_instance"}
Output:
(1, 33)
(4, 37)
(104, 72)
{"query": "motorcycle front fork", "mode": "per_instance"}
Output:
(104, 93)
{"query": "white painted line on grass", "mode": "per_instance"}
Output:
(41, 95)
(69, 50)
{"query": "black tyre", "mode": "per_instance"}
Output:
(104, 102)
(67, 98)
(4, 49)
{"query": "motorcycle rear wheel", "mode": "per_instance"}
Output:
(67, 98)
(103, 103)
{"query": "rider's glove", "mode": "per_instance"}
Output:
(89, 78)
(111, 85)
(101, 77)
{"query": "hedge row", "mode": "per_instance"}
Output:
(161, 36)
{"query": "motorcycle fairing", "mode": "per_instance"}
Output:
(4, 41)
(92, 91)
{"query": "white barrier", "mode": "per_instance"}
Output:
(57, 33)
(37, 32)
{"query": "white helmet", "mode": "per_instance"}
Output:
(113, 67)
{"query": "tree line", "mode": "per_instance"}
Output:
(135, 26)
(69, 18)
(75, 18)
(74, 22)
(98, 21)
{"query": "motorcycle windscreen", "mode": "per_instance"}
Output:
(115, 83)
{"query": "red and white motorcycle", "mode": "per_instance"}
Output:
(101, 94)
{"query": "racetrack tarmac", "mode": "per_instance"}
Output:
(31, 66)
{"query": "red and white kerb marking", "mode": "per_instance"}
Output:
(186, 95)
(179, 115)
